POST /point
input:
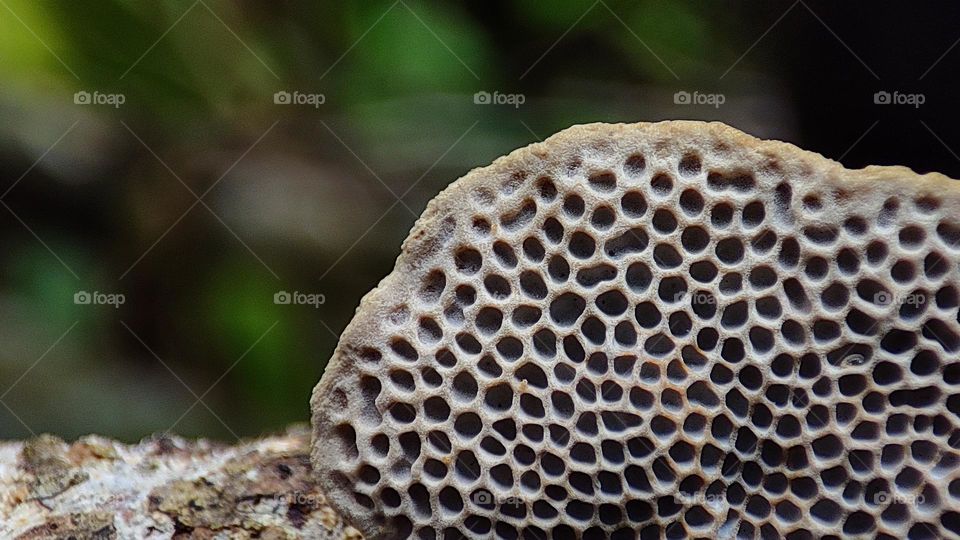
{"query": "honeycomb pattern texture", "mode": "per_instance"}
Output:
(667, 330)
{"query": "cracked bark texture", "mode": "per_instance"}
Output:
(164, 487)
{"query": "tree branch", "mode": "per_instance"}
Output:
(164, 487)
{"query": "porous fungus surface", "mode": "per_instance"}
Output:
(657, 330)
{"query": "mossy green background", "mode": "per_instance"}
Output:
(302, 198)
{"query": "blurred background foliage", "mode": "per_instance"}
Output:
(301, 198)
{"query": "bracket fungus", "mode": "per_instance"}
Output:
(657, 330)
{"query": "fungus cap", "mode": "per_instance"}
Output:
(670, 328)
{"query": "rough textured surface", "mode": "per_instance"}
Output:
(163, 488)
(669, 328)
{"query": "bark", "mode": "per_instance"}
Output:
(164, 487)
